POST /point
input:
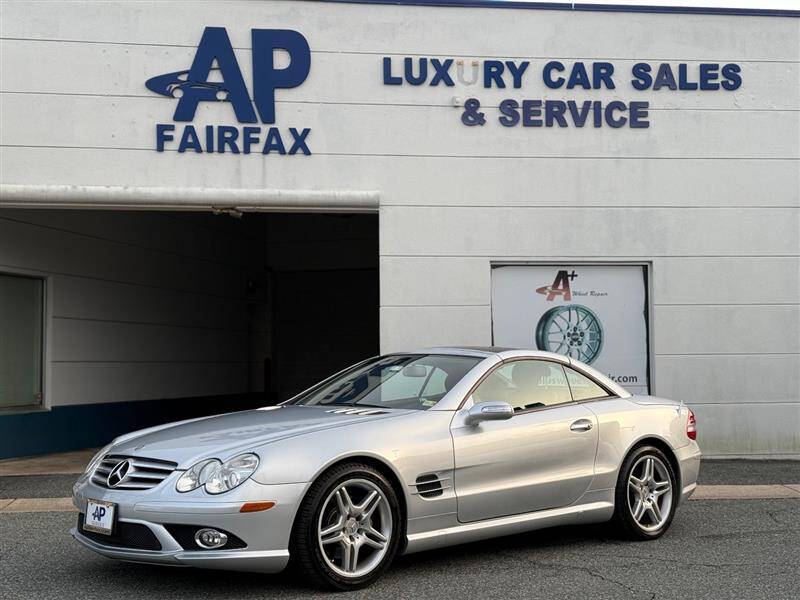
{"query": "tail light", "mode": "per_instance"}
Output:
(691, 426)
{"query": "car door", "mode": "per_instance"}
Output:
(540, 458)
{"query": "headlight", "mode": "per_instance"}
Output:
(197, 475)
(232, 473)
(216, 476)
(97, 458)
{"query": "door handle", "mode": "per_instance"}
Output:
(581, 425)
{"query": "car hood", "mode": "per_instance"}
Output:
(223, 436)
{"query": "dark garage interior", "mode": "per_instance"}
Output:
(150, 317)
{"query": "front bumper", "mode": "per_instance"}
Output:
(263, 561)
(266, 533)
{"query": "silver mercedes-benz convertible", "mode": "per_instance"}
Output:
(397, 454)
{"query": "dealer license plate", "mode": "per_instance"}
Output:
(99, 516)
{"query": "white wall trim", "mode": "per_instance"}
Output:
(190, 199)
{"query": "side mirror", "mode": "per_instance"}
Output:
(489, 411)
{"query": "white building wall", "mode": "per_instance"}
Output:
(709, 194)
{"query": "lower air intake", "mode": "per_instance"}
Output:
(125, 535)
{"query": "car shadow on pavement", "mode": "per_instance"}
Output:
(514, 549)
(121, 579)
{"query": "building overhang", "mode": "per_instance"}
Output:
(187, 199)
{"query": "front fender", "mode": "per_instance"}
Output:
(409, 446)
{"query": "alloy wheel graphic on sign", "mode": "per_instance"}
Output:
(572, 330)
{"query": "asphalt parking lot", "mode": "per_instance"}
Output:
(738, 549)
(715, 549)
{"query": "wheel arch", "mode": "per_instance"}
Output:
(668, 451)
(379, 464)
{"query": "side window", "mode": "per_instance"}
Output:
(436, 384)
(525, 384)
(496, 387)
(582, 387)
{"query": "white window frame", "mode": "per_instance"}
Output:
(47, 329)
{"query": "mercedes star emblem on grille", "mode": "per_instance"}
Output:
(118, 473)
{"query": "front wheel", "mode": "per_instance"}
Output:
(645, 497)
(348, 528)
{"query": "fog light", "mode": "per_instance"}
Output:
(210, 538)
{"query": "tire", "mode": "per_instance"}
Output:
(637, 492)
(337, 550)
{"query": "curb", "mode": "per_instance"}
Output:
(746, 492)
(34, 505)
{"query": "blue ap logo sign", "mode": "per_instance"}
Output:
(215, 76)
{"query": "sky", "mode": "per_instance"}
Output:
(767, 4)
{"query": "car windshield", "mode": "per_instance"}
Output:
(415, 381)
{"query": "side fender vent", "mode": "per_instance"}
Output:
(431, 485)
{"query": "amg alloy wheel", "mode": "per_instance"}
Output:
(646, 495)
(649, 493)
(354, 528)
(346, 531)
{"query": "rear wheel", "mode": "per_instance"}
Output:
(347, 529)
(645, 497)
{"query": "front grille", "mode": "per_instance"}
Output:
(125, 535)
(184, 535)
(138, 474)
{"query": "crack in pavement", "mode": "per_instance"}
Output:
(684, 563)
(586, 570)
(773, 568)
(735, 534)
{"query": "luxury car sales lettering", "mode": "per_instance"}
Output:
(418, 71)
(555, 75)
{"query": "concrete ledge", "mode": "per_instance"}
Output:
(745, 492)
(31, 505)
(63, 463)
